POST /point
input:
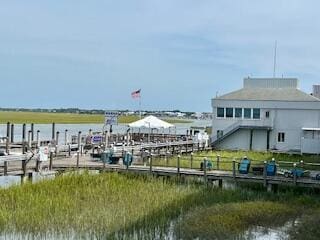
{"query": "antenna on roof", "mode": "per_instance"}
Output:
(275, 59)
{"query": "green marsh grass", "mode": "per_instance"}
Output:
(65, 118)
(228, 220)
(111, 205)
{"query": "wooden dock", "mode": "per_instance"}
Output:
(25, 165)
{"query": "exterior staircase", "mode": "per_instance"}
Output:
(266, 124)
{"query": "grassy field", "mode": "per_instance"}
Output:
(112, 206)
(65, 118)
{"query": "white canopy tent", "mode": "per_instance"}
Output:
(151, 122)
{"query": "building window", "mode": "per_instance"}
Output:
(247, 113)
(238, 112)
(267, 114)
(229, 112)
(220, 112)
(281, 136)
(256, 113)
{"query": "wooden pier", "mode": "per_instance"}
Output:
(26, 165)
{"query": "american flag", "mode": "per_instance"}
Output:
(136, 94)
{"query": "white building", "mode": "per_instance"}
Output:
(267, 113)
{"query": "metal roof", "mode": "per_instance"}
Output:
(269, 94)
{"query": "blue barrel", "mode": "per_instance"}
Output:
(127, 159)
(244, 166)
(271, 169)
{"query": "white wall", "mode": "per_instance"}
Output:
(259, 140)
(287, 117)
(238, 140)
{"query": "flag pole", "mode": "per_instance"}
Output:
(140, 105)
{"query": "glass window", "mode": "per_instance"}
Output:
(267, 114)
(281, 136)
(238, 112)
(229, 112)
(247, 113)
(256, 113)
(220, 112)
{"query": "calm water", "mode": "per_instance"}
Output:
(73, 129)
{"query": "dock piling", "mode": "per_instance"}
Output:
(51, 161)
(78, 159)
(234, 169)
(8, 130)
(7, 145)
(57, 137)
(32, 131)
(66, 136)
(53, 131)
(38, 138)
(218, 162)
(265, 183)
(23, 137)
(178, 164)
(295, 174)
(5, 168)
(12, 133)
(150, 163)
(205, 178)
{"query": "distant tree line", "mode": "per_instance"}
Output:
(98, 111)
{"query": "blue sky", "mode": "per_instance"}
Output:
(93, 54)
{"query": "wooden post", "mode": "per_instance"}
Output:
(205, 171)
(23, 137)
(218, 162)
(38, 165)
(78, 158)
(53, 131)
(66, 137)
(295, 174)
(166, 158)
(57, 137)
(5, 168)
(191, 160)
(51, 160)
(178, 164)
(198, 146)
(7, 145)
(220, 183)
(8, 130)
(38, 138)
(29, 140)
(24, 167)
(69, 149)
(32, 131)
(12, 133)
(234, 168)
(79, 140)
(265, 183)
(150, 162)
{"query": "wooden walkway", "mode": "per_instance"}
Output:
(207, 176)
(25, 165)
